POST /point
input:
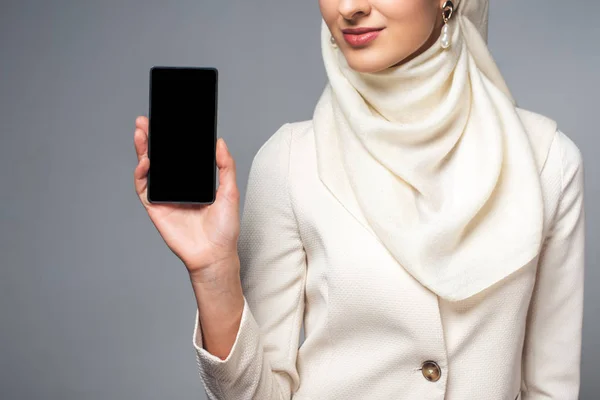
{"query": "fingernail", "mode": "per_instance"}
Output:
(224, 144)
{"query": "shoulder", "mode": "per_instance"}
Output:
(560, 160)
(272, 157)
(281, 140)
(571, 159)
(567, 160)
(547, 138)
(541, 131)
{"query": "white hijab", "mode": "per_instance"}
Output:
(433, 159)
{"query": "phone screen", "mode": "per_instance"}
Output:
(182, 135)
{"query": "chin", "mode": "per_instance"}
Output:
(370, 60)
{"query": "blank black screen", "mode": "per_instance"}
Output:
(182, 134)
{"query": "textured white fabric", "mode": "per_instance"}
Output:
(437, 158)
(368, 324)
(353, 225)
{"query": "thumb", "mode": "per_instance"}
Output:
(227, 172)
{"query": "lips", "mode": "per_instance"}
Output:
(359, 31)
(360, 36)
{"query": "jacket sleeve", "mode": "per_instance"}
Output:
(552, 349)
(262, 362)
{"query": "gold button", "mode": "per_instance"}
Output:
(431, 371)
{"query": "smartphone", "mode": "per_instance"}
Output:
(182, 135)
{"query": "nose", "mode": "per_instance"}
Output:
(353, 9)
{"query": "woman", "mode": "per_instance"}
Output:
(427, 232)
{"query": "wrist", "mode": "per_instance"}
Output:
(219, 297)
(214, 276)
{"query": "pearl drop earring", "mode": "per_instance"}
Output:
(447, 10)
(332, 41)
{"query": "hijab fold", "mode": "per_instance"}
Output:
(432, 158)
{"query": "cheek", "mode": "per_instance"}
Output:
(402, 9)
(410, 22)
(329, 10)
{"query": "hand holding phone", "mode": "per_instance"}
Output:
(201, 235)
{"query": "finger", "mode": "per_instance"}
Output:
(140, 140)
(140, 177)
(227, 172)
(141, 122)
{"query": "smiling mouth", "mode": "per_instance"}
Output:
(360, 36)
(359, 31)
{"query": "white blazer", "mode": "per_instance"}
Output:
(372, 332)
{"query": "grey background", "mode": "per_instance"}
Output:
(93, 305)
